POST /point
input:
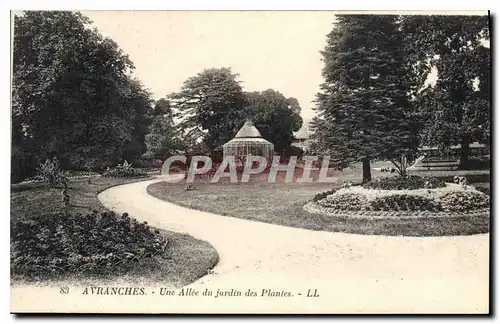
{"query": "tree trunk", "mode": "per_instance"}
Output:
(367, 173)
(464, 153)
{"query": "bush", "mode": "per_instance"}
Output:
(125, 170)
(293, 151)
(82, 173)
(404, 202)
(471, 178)
(344, 201)
(462, 201)
(323, 195)
(66, 243)
(51, 173)
(485, 190)
(404, 183)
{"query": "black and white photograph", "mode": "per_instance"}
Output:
(250, 162)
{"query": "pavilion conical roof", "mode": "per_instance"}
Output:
(248, 131)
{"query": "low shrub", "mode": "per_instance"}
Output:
(130, 173)
(404, 183)
(405, 203)
(125, 170)
(485, 190)
(462, 201)
(481, 176)
(345, 201)
(323, 195)
(51, 173)
(62, 243)
(82, 173)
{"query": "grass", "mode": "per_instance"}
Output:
(186, 259)
(281, 203)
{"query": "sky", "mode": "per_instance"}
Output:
(277, 50)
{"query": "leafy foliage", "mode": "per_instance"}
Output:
(456, 109)
(51, 173)
(211, 101)
(163, 139)
(275, 116)
(323, 195)
(96, 244)
(404, 183)
(345, 201)
(319, 135)
(213, 107)
(463, 201)
(72, 93)
(377, 72)
(125, 170)
(485, 190)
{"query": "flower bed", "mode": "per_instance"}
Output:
(344, 201)
(370, 214)
(404, 202)
(55, 244)
(409, 183)
(452, 200)
(464, 201)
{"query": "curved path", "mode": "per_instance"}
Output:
(350, 273)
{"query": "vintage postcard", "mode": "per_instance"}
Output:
(250, 162)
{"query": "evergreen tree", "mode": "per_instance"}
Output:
(163, 139)
(365, 97)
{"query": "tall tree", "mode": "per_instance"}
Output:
(276, 116)
(141, 104)
(211, 101)
(72, 92)
(365, 97)
(456, 109)
(163, 139)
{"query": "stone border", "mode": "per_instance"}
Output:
(311, 207)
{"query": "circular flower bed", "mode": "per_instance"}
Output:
(74, 243)
(419, 198)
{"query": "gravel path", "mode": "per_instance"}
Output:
(349, 273)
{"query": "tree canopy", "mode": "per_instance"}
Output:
(377, 101)
(70, 80)
(456, 109)
(276, 116)
(213, 105)
(211, 101)
(163, 139)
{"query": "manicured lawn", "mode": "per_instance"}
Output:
(281, 203)
(185, 260)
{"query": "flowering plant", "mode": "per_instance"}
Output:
(344, 201)
(98, 244)
(461, 201)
